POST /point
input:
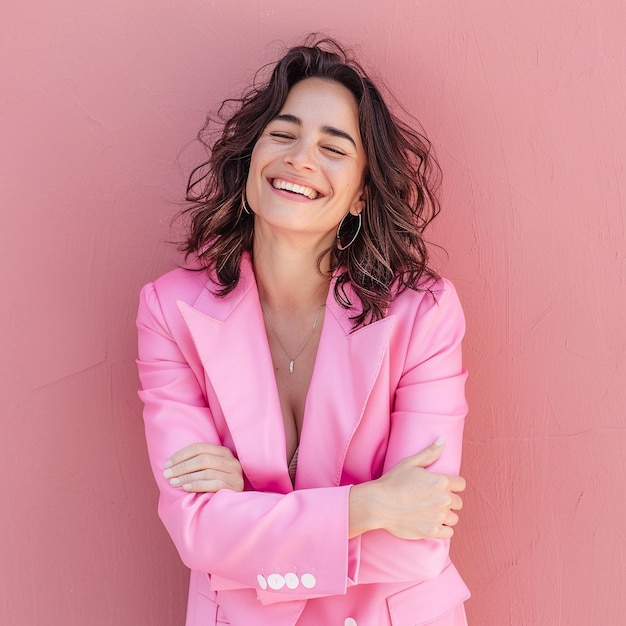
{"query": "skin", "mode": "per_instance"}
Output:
(315, 143)
(408, 501)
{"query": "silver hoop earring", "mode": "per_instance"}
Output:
(245, 207)
(340, 246)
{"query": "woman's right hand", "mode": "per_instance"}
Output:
(409, 501)
(204, 468)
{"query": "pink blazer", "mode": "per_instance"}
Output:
(274, 555)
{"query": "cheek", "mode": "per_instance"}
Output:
(353, 180)
(254, 170)
(260, 158)
(254, 158)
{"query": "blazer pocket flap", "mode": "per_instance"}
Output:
(429, 600)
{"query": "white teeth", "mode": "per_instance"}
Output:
(294, 188)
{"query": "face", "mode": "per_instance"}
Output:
(308, 166)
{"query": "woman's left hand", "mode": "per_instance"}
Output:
(204, 468)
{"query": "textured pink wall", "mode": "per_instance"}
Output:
(526, 105)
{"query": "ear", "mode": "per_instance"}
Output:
(359, 204)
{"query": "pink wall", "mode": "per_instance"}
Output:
(526, 105)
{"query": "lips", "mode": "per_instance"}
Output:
(302, 190)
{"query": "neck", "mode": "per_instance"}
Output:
(288, 277)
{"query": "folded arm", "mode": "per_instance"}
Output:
(231, 533)
(241, 538)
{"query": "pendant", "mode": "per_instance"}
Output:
(291, 366)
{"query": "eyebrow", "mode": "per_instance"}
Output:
(327, 130)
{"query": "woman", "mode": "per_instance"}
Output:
(300, 377)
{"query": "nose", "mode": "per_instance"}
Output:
(301, 156)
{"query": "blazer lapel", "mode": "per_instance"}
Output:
(346, 368)
(229, 335)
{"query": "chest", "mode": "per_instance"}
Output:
(293, 369)
(335, 405)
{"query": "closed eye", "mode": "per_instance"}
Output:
(280, 135)
(334, 150)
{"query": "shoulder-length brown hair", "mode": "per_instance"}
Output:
(390, 254)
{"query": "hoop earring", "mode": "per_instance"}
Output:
(356, 233)
(245, 207)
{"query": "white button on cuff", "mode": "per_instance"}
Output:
(262, 582)
(275, 581)
(291, 580)
(350, 621)
(308, 581)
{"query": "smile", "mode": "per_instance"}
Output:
(301, 190)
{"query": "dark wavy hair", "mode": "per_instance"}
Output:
(390, 253)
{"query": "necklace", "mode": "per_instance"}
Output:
(293, 358)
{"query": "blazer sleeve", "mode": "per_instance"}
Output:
(240, 538)
(429, 403)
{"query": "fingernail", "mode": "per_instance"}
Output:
(168, 473)
(167, 464)
(439, 442)
(187, 487)
(175, 482)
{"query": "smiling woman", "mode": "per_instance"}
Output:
(302, 380)
(308, 168)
